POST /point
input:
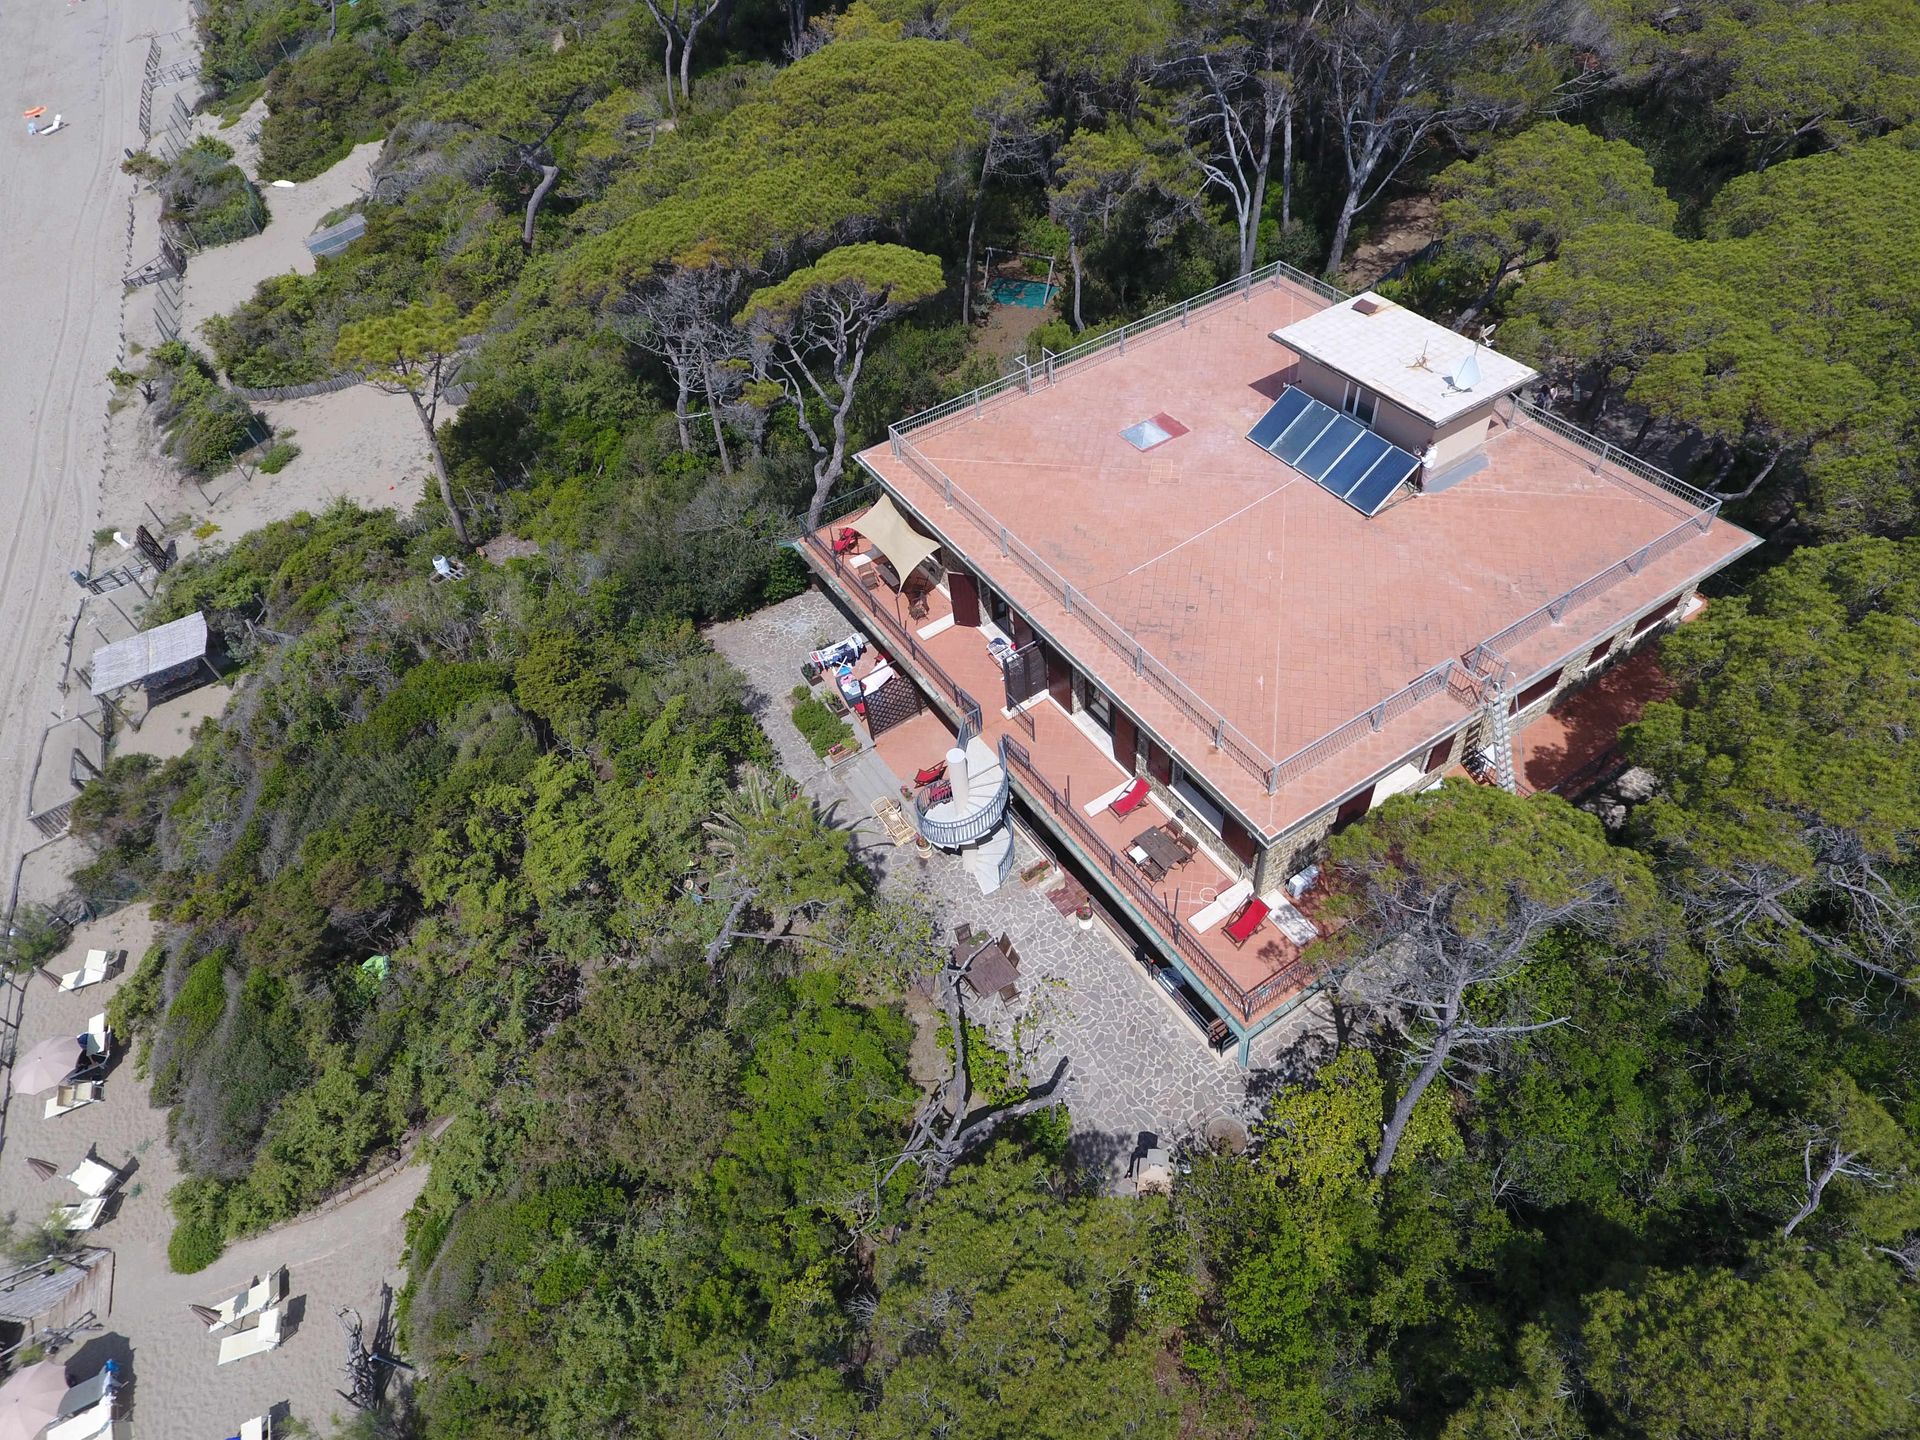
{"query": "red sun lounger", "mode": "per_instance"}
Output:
(1131, 799)
(1252, 915)
(930, 774)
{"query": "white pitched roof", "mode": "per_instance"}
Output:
(1405, 357)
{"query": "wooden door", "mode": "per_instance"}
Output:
(1126, 738)
(964, 590)
(1059, 678)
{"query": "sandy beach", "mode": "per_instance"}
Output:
(64, 253)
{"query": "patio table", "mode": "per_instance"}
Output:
(991, 970)
(1166, 851)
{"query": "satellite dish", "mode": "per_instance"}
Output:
(1466, 374)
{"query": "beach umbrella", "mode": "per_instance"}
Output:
(45, 1169)
(208, 1314)
(46, 1065)
(30, 1398)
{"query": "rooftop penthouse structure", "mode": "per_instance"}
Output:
(1279, 553)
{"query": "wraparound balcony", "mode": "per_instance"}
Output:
(1059, 771)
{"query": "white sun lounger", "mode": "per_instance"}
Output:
(94, 1178)
(263, 1337)
(258, 1428)
(83, 1216)
(99, 1035)
(251, 1301)
(72, 1097)
(1230, 900)
(98, 963)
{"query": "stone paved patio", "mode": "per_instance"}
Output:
(1138, 1064)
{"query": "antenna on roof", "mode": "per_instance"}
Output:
(1421, 363)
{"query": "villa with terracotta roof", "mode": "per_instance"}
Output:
(1192, 597)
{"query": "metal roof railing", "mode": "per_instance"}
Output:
(1448, 677)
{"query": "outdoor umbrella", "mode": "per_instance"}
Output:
(46, 1065)
(31, 1398)
(208, 1314)
(45, 1169)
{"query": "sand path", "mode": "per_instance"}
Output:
(64, 250)
(335, 1258)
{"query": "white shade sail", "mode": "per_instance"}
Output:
(887, 528)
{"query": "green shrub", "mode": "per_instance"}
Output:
(194, 1245)
(821, 727)
(199, 1226)
(205, 194)
(279, 455)
(319, 107)
(206, 425)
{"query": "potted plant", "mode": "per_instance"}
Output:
(1086, 913)
(922, 848)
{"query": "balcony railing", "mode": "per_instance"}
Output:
(975, 825)
(898, 638)
(1236, 999)
(1694, 498)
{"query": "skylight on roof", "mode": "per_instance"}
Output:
(1156, 430)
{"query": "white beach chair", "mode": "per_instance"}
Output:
(94, 1178)
(258, 1428)
(250, 1301)
(263, 1337)
(72, 1097)
(98, 963)
(99, 1037)
(83, 1216)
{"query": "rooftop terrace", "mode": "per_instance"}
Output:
(1244, 613)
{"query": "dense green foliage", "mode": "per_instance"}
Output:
(203, 194)
(203, 423)
(1654, 1107)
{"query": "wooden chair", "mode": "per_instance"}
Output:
(963, 934)
(1013, 956)
(917, 607)
(1188, 842)
(1009, 993)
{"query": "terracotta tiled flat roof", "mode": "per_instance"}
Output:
(1282, 607)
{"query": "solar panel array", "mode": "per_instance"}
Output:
(1335, 451)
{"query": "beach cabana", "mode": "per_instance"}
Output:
(155, 659)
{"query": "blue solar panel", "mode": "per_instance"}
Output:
(1380, 483)
(1311, 425)
(1337, 440)
(1352, 466)
(1333, 450)
(1282, 413)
